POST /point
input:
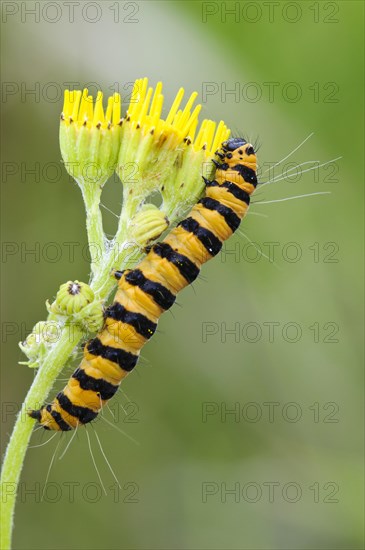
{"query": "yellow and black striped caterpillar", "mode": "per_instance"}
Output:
(145, 292)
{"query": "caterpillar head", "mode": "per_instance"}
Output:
(47, 417)
(43, 417)
(237, 151)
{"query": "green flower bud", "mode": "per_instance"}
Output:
(38, 342)
(90, 139)
(148, 224)
(195, 163)
(164, 154)
(76, 301)
(71, 298)
(154, 145)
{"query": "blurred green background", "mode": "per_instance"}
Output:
(293, 450)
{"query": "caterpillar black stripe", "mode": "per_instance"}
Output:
(146, 292)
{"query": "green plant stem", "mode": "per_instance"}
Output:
(120, 249)
(102, 284)
(105, 256)
(117, 258)
(17, 447)
(94, 226)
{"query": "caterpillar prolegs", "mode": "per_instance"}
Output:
(147, 291)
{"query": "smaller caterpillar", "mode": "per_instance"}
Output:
(147, 291)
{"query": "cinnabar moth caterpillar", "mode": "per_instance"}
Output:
(147, 291)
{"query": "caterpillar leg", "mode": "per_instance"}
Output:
(117, 274)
